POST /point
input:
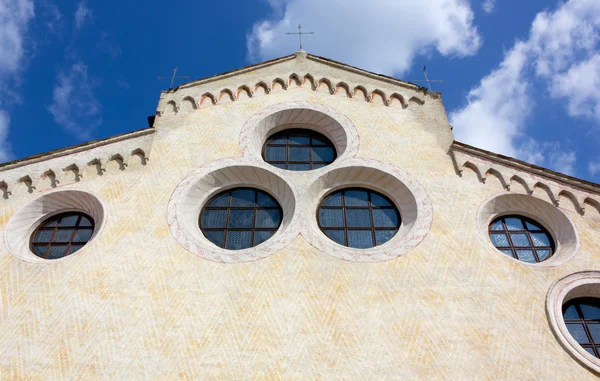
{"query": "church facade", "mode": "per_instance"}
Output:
(296, 219)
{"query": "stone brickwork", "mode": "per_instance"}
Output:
(137, 303)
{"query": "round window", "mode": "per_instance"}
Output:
(62, 235)
(298, 150)
(240, 218)
(358, 218)
(582, 318)
(521, 238)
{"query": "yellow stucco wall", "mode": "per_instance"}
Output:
(137, 305)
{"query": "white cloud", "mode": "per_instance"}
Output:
(488, 6)
(81, 14)
(74, 105)
(594, 166)
(398, 30)
(560, 53)
(15, 16)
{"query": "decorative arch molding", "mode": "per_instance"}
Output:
(198, 187)
(267, 86)
(334, 125)
(577, 285)
(558, 224)
(410, 197)
(513, 175)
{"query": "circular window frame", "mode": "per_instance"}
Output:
(294, 127)
(201, 185)
(559, 226)
(228, 208)
(408, 196)
(344, 208)
(532, 221)
(573, 286)
(28, 218)
(335, 126)
(38, 228)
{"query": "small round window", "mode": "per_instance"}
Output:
(582, 318)
(521, 238)
(298, 150)
(240, 218)
(61, 235)
(358, 218)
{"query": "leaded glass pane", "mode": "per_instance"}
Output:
(358, 218)
(82, 235)
(265, 200)
(578, 332)
(356, 198)
(214, 218)
(540, 239)
(513, 223)
(594, 331)
(499, 239)
(508, 252)
(323, 154)
(299, 154)
(275, 154)
(590, 311)
(237, 240)
(331, 217)
(334, 200)
(243, 198)
(377, 200)
(43, 236)
(526, 256)
(62, 235)
(70, 220)
(382, 236)
(215, 236)
(39, 249)
(85, 222)
(220, 201)
(571, 313)
(360, 239)
(531, 226)
(318, 141)
(303, 140)
(336, 236)
(497, 225)
(74, 248)
(519, 239)
(261, 236)
(543, 254)
(387, 218)
(318, 165)
(57, 251)
(590, 351)
(241, 218)
(280, 140)
(268, 218)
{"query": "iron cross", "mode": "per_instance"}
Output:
(173, 77)
(427, 79)
(300, 33)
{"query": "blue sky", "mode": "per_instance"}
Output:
(522, 78)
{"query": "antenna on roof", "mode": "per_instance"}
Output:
(173, 77)
(300, 33)
(427, 79)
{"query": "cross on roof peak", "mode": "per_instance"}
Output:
(300, 33)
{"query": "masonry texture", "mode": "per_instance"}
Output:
(136, 304)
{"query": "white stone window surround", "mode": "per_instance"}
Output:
(411, 199)
(26, 220)
(554, 220)
(205, 182)
(313, 116)
(576, 285)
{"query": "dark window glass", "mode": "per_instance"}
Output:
(62, 235)
(358, 217)
(582, 318)
(521, 238)
(240, 218)
(298, 150)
